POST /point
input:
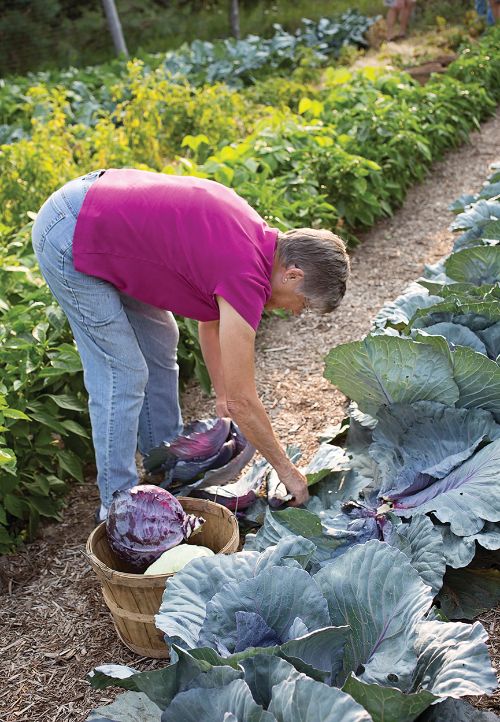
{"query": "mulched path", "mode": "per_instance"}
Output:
(55, 626)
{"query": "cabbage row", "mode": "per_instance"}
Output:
(425, 434)
(424, 428)
(340, 156)
(339, 611)
(237, 62)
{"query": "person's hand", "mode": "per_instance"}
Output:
(221, 408)
(296, 484)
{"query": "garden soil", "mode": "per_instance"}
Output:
(55, 626)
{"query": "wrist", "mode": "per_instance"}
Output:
(221, 407)
(284, 466)
(220, 402)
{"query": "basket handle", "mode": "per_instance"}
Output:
(94, 562)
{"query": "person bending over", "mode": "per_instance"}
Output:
(122, 250)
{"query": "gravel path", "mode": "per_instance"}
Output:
(290, 352)
(55, 627)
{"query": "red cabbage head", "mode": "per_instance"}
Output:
(145, 521)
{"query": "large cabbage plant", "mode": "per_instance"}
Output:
(435, 445)
(256, 636)
(424, 478)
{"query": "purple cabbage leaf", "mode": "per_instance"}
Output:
(259, 483)
(466, 498)
(238, 496)
(413, 445)
(424, 457)
(207, 452)
(200, 438)
(227, 473)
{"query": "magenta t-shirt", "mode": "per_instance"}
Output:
(176, 242)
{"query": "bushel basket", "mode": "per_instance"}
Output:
(133, 599)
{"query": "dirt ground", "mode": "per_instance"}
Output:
(55, 626)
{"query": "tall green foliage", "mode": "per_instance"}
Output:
(44, 431)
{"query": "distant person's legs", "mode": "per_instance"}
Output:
(391, 22)
(399, 10)
(405, 15)
(495, 9)
(484, 10)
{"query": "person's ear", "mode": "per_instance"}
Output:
(293, 273)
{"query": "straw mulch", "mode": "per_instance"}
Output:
(55, 627)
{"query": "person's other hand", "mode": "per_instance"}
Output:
(296, 484)
(221, 408)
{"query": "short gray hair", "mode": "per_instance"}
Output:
(323, 258)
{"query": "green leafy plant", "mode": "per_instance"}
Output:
(45, 429)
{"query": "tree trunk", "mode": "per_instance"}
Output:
(234, 18)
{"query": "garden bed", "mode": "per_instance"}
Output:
(56, 625)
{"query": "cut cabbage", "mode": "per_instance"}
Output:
(176, 558)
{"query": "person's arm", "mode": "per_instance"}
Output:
(237, 342)
(208, 333)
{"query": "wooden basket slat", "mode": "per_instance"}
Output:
(133, 599)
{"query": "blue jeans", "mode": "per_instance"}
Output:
(483, 8)
(128, 348)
